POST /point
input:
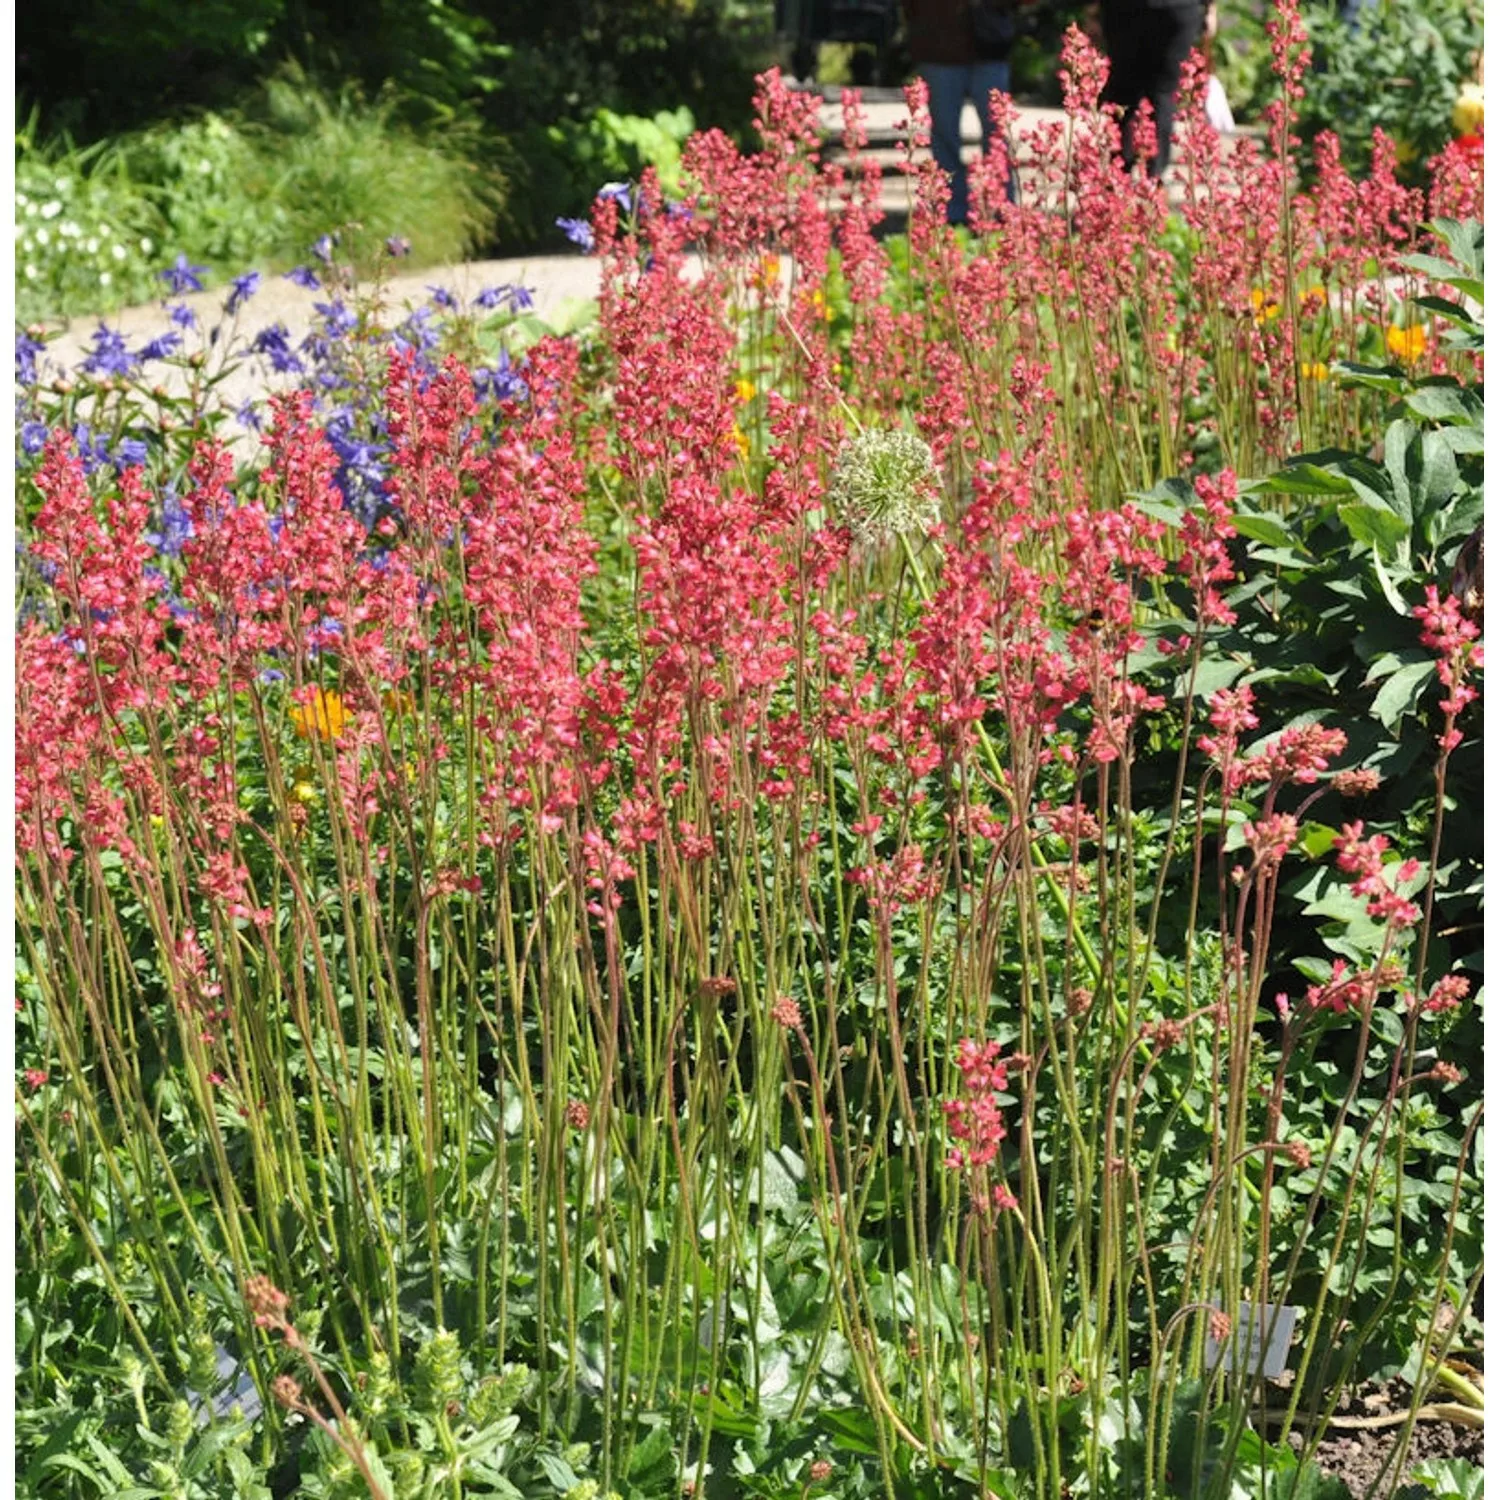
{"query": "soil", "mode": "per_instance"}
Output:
(1358, 1455)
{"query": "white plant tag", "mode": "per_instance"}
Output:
(1258, 1346)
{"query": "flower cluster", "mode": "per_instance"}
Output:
(976, 1121)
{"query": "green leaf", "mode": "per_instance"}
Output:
(1379, 528)
(558, 1471)
(1402, 691)
(1371, 377)
(1398, 440)
(1306, 479)
(1316, 839)
(1263, 528)
(1445, 403)
(1439, 473)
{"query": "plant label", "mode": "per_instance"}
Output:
(1259, 1342)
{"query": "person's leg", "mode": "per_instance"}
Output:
(986, 78)
(1128, 45)
(1180, 28)
(946, 87)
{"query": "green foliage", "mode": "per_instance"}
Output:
(1397, 69)
(86, 237)
(235, 191)
(570, 161)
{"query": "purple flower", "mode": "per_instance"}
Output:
(337, 318)
(514, 297)
(176, 526)
(130, 453)
(619, 191)
(241, 290)
(303, 276)
(502, 383)
(92, 450)
(181, 277)
(578, 231)
(27, 349)
(183, 316)
(443, 297)
(247, 416)
(109, 355)
(323, 250)
(397, 246)
(33, 437)
(159, 347)
(272, 342)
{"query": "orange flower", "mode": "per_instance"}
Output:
(323, 715)
(1406, 344)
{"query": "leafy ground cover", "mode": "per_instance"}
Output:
(817, 890)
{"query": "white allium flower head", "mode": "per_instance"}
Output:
(884, 484)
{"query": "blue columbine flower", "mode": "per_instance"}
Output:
(515, 298)
(130, 452)
(272, 342)
(109, 355)
(27, 349)
(620, 192)
(443, 297)
(33, 437)
(337, 319)
(502, 383)
(397, 246)
(241, 290)
(303, 276)
(159, 347)
(247, 416)
(176, 526)
(94, 451)
(323, 250)
(578, 231)
(181, 277)
(183, 316)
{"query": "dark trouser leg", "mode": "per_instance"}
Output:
(1181, 28)
(1147, 49)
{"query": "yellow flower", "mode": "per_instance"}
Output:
(324, 715)
(767, 273)
(1406, 344)
(742, 443)
(397, 702)
(1468, 110)
(1313, 301)
(305, 792)
(1314, 371)
(1262, 308)
(745, 391)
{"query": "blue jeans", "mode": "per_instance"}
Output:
(948, 85)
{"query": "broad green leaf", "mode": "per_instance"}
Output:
(1263, 528)
(1380, 528)
(1445, 403)
(1401, 692)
